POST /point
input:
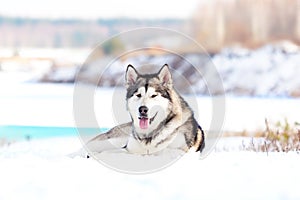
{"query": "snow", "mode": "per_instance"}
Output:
(52, 105)
(268, 71)
(272, 70)
(36, 104)
(41, 169)
(59, 54)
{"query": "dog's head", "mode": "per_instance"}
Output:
(148, 98)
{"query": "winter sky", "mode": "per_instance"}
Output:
(93, 9)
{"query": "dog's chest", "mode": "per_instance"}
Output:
(163, 140)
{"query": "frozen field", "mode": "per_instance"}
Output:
(42, 169)
(52, 105)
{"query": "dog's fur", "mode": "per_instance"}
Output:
(161, 118)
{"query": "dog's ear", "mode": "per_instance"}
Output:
(131, 75)
(165, 76)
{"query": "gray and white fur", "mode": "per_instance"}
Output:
(161, 118)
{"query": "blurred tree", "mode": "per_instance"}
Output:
(248, 22)
(112, 46)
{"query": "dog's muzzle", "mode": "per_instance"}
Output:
(143, 118)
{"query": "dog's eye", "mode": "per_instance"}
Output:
(138, 95)
(154, 95)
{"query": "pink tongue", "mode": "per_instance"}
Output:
(144, 123)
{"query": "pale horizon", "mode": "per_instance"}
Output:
(92, 9)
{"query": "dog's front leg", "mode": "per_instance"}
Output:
(101, 144)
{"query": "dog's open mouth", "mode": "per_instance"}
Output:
(144, 121)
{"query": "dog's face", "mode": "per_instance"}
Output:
(148, 98)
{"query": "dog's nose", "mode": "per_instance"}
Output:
(143, 110)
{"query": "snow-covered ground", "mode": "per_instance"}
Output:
(42, 169)
(272, 70)
(52, 105)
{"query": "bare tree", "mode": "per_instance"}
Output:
(216, 23)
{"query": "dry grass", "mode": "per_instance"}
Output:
(278, 137)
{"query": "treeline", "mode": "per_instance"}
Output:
(251, 23)
(104, 21)
(23, 32)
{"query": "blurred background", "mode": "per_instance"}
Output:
(254, 45)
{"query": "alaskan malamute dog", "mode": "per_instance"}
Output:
(161, 118)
